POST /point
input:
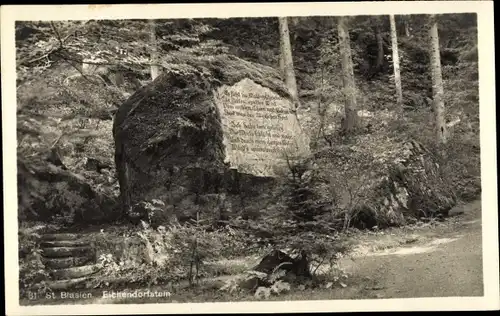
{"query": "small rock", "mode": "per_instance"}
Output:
(262, 292)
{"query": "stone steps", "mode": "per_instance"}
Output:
(65, 252)
(66, 284)
(69, 260)
(64, 237)
(75, 272)
(64, 243)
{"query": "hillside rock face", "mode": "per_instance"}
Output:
(193, 135)
(47, 192)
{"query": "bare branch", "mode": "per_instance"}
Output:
(36, 59)
(57, 33)
(57, 140)
(69, 61)
(319, 264)
(74, 31)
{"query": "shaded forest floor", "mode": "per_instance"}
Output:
(426, 260)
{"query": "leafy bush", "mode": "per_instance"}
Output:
(304, 218)
(460, 163)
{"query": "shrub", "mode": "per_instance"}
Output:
(460, 163)
(32, 274)
(171, 253)
(304, 219)
(459, 159)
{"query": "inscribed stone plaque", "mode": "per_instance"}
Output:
(260, 129)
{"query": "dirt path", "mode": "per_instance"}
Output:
(447, 263)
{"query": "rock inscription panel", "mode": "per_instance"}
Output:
(260, 129)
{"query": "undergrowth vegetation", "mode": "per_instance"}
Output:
(165, 254)
(389, 173)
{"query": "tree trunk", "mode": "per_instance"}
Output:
(437, 81)
(286, 60)
(395, 58)
(282, 66)
(407, 26)
(350, 106)
(380, 46)
(155, 69)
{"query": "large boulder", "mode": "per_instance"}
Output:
(173, 144)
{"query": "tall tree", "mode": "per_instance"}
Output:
(155, 69)
(286, 60)
(380, 44)
(395, 59)
(437, 80)
(350, 105)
